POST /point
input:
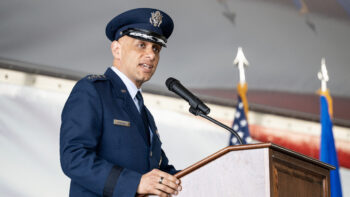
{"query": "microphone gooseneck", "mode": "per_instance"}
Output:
(197, 107)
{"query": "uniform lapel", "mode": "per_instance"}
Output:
(119, 89)
(129, 106)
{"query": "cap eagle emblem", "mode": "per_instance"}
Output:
(156, 18)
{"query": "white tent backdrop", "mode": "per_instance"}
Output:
(29, 140)
(284, 47)
(284, 53)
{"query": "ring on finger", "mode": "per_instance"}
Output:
(161, 180)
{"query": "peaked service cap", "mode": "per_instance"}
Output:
(141, 23)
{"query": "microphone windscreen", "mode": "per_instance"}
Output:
(169, 82)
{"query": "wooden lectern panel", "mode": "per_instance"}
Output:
(292, 176)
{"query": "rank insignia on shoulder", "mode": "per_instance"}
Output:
(94, 77)
(157, 134)
(121, 123)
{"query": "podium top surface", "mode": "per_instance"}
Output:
(247, 147)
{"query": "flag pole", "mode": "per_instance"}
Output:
(240, 122)
(323, 75)
(241, 62)
(324, 78)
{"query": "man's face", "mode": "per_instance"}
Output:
(137, 59)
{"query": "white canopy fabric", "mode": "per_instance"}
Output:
(284, 47)
(29, 140)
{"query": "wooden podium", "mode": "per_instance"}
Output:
(256, 170)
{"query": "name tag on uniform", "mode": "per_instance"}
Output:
(121, 123)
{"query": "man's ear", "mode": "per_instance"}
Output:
(115, 49)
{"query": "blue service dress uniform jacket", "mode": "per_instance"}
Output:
(103, 144)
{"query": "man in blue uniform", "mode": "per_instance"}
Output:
(109, 143)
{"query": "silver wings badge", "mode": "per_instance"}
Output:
(156, 18)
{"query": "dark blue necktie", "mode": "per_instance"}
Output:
(143, 114)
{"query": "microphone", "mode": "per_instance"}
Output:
(196, 104)
(197, 108)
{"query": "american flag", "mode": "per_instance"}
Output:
(240, 125)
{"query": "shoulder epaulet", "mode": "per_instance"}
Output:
(96, 77)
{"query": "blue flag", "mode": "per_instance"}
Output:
(240, 125)
(328, 152)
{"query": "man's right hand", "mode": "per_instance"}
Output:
(150, 184)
